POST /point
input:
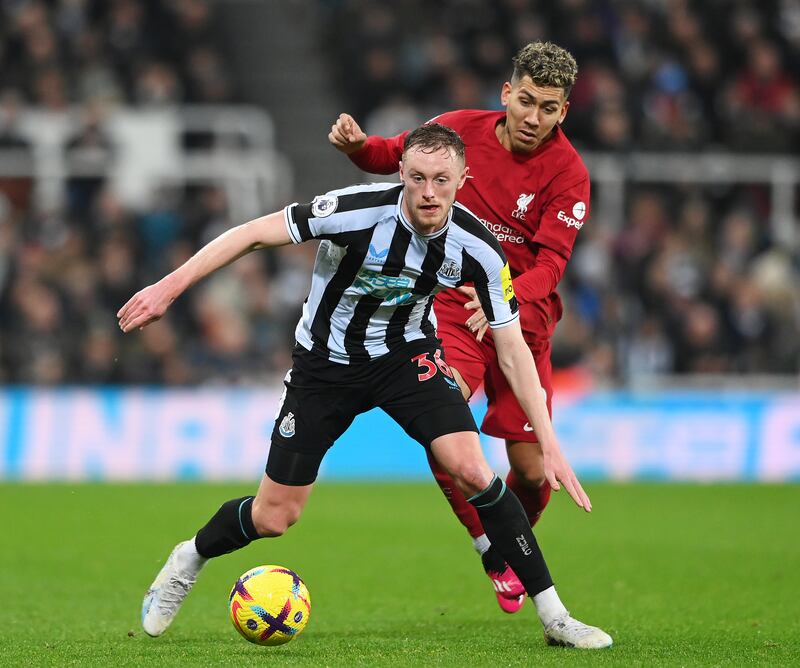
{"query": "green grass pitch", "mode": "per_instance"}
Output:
(678, 574)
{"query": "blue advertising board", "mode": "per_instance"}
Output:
(223, 434)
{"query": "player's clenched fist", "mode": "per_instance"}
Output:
(146, 306)
(346, 135)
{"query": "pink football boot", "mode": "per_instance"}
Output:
(508, 589)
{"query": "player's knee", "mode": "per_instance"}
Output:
(472, 477)
(532, 477)
(274, 520)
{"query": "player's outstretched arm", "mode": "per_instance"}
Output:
(150, 303)
(517, 364)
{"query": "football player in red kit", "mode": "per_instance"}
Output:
(530, 188)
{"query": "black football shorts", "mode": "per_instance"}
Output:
(412, 384)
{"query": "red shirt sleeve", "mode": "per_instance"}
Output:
(539, 281)
(562, 217)
(380, 155)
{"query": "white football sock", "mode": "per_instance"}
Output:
(549, 605)
(481, 544)
(189, 557)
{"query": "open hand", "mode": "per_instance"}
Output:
(146, 306)
(477, 322)
(558, 472)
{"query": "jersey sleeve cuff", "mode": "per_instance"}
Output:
(499, 324)
(291, 227)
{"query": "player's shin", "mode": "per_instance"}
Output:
(508, 529)
(230, 529)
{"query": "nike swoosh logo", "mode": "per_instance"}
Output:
(527, 427)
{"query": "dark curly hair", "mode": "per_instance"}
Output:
(547, 65)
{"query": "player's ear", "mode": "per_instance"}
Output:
(505, 93)
(400, 169)
(564, 111)
(463, 178)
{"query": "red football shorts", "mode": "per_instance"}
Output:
(477, 363)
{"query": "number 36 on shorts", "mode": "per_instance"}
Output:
(429, 368)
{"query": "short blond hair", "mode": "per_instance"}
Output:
(433, 137)
(547, 65)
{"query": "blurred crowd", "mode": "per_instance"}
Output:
(692, 281)
(692, 284)
(54, 53)
(65, 270)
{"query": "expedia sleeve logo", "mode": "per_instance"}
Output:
(578, 214)
(324, 205)
(505, 281)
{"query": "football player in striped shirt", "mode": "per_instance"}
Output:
(367, 339)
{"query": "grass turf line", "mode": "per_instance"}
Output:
(678, 574)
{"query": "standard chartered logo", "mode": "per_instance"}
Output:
(391, 289)
(503, 232)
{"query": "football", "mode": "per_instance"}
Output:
(270, 605)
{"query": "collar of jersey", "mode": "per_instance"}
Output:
(407, 224)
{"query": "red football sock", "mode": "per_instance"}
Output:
(533, 499)
(463, 509)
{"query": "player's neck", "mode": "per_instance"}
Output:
(500, 131)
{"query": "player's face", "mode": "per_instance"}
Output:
(531, 114)
(431, 180)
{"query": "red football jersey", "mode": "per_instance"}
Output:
(533, 203)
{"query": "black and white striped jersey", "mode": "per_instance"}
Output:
(375, 276)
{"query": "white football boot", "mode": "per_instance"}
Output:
(172, 584)
(569, 632)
